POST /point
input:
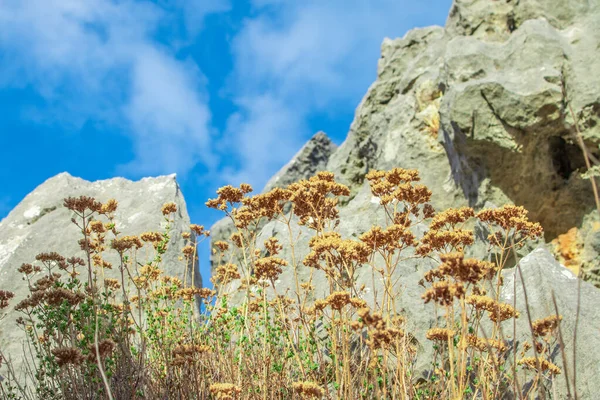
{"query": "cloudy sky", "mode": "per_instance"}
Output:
(217, 91)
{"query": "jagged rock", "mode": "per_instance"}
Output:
(543, 276)
(40, 224)
(308, 161)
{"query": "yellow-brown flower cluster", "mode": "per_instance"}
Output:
(186, 354)
(444, 292)
(5, 296)
(224, 391)
(225, 273)
(543, 327)
(334, 251)
(544, 365)
(337, 301)
(188, 293)
(56, 296)
(269, 267)
(397, 184)
(308, 390)
(312, 199)
(153, 237)
(126, 243)
(444, 232)
(379, 333)
(389, 239)
(67, 355)
(440, 334)
(169, 208)
(105, 348)
(510, 218)
(498, 312)
(483, 344)
(468, 271)
(82, 203)
(228, 194)
(109, 207)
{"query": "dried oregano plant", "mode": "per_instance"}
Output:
(143, 336)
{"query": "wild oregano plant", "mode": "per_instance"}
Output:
(142, 335)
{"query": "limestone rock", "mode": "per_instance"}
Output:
(40, 224)
(542, 276)
(307, 162)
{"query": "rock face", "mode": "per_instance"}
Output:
(481, 108)
(40, 223)
(542, 276)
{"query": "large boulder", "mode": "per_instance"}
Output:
(543, 277)
(41, 224)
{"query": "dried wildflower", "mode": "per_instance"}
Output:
(97, 227)
(237, 239)
(468, 271)
(109, 207)
(268, 267)
(153, 237)
(105, 348)
(451, 217)
(112, 283)
(393, 237)
(498, 312)
(186, 235)
(226, 273)
(49, 257)
(312, 199)
(188, 250)
(444, 292)
(98, 261)
(308, 390)
(224, 391)
(331, 248)
(542, 327)
(198, 230)
(438, 240)
(5, 296)
(26, 269)
(545, 365)
(510, 217)
(82, 203)
(126, 243)
(221, 245)
(169, 208)
(31, 301)
(441, 334)
(483, 344)
(397, 185)
(67, 355)
(56, 297)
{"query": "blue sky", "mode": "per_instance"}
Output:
(217, 91)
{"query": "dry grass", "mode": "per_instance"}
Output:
(140, 336)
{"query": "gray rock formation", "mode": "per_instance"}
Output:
(543, 276)
(40, 223)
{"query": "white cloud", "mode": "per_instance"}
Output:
(97, 59)
(313, 56)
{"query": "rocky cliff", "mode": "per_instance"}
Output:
(41, 224)
(482, 108)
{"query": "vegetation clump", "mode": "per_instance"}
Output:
(142, 336)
